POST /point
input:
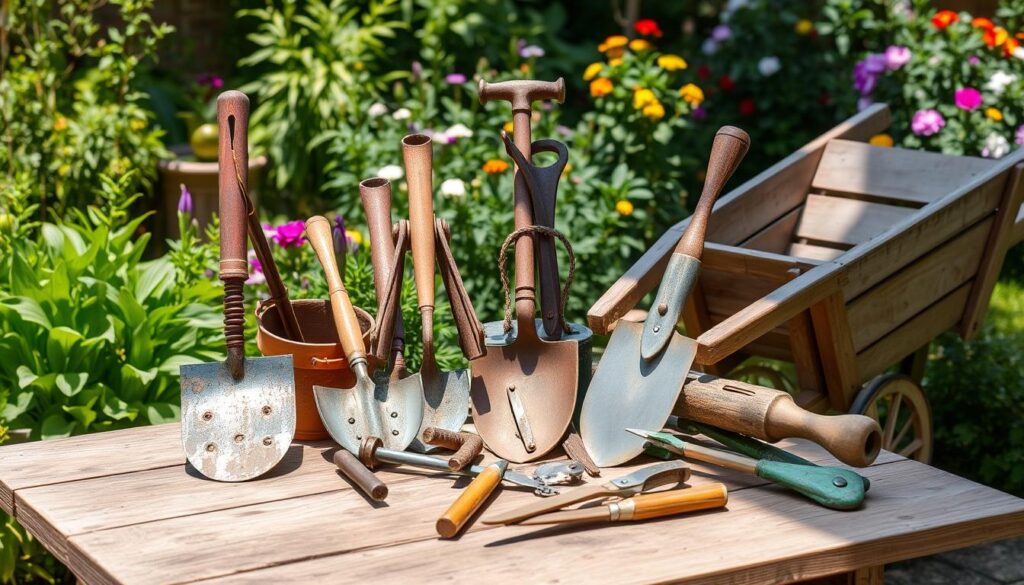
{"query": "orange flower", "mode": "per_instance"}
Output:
(495, 166)
(995, 37)
(1010, 46)
(881, 140)
(601, 86)
(944, 18)
(994, 114)
(613, 42)
(981, 22)
(615, 53)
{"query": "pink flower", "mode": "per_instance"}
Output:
(896, 57)
(967, 98)
(455, 78)
(927, 122)
(1018, 136)
(721, 33)
(290, 234)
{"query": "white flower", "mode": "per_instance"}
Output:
(732, 6)
(401, 114)
(995, 146)
(1019, 52)
(390, 172)
(377, 109)
(769, 66)
(999, 81)
(453, 188)
(709, 47)
(459, 131)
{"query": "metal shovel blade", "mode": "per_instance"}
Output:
(630, 392)
(391, 411)
(445, 404)
(234, 430)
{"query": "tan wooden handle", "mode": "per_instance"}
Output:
(362, 477)
(854, 439)
(468, 502)
(318, 232)
(727, 151)
(678, 501)
(417, 150)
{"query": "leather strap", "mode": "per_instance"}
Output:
(471, 330)
(389, 305)
(577, 451)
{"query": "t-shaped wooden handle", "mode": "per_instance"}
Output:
(522, 92)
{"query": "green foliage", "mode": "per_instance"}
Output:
(70, 107)
(24, 560)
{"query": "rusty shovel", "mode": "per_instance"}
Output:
(645, 364)
(237, 417)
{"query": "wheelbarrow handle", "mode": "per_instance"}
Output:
(318, 232)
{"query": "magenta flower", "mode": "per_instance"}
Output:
(967, 98)
(896, 57)
(185, 201)
(290, 234)
(1018, 136)
(455, 78)
(927, 122)
(973, 60)
(699, 113)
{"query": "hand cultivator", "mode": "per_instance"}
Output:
(529, 378)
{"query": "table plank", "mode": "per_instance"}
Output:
(46, 462)
(766, 535)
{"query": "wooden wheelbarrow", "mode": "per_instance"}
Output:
(845, 260)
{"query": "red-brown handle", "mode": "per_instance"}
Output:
(233, 123)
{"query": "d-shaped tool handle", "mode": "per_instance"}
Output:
(318, 232)
(727, 151)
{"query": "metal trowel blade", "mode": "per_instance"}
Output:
(234, 430)
(390, 411)
(445, 405)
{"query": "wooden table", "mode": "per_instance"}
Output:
(122, 507)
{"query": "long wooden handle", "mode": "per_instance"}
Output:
(771, 415)
(318, 232)
(233, 121)
(469, 501)
(727, 151)
(363, 478)
(417, 151)
(376, 196)
(679, 501)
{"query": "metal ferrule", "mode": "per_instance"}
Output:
(679, 279)
(621, 510)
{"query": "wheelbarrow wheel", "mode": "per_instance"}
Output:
(901, 408)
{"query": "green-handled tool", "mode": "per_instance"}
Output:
(742, 444)
(835, 488)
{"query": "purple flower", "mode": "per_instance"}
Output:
(967, 98)
(973, 60)
(699, 113)
(863, 102)
(290, 234)
(721, 33)
(896, 57)
(339, 234)
(1018, 136)
(455, 78)
(927, 122)
(867, 71)
(529, 51)
(210, 80)
(564, 131)
(417, 70)
(185, 201)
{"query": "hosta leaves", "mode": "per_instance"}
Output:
(56, 426)
(25, 309)
(61, 342)
(162, 413)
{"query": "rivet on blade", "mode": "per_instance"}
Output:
(351, 421)
(662, 309)
(267, 410)
(395, 432)
(267, 441)
(394, 415)
(657, 328)
(207, 416)
(839, 481)
(239, 438)
(210, 447)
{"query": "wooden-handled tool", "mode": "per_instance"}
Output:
(772, 415)
(643, 506)
(470, 500)
(363, 478)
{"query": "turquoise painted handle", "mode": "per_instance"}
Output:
(831, 487)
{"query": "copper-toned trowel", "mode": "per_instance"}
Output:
(645, 364)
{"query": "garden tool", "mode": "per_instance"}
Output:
(390, 411)
(471, 499)
(640, 481)
(642, 507)
(542, 184)
(467, 446)
(371, 452)
(645, 364)
(559, 472)
(832, 487)
(742, 444)
(445, 394)
(237, 417)
(376, 196)
(360, 475)
(524, 388)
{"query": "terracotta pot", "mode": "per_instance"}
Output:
(319, 361)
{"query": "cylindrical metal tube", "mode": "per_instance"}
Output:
(362, 477)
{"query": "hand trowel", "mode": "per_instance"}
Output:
(645, 364)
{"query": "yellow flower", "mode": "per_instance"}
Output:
(137, 124)
(601, 86)
(613, 42)
(624, 207)
(642, 97)
(507, 127)
(495, 166)
(803, 27)
(671, 62)
(692, 94)
(359, 66)
(592, 70)
(615, 62)
(639, 45)
(355, 236)
(994, 114)
(654, 111)
(61, 123)
(567, 169)
(881, 140)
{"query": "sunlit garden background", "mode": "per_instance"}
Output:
(108, 251)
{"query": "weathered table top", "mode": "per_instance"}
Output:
(123, 507)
